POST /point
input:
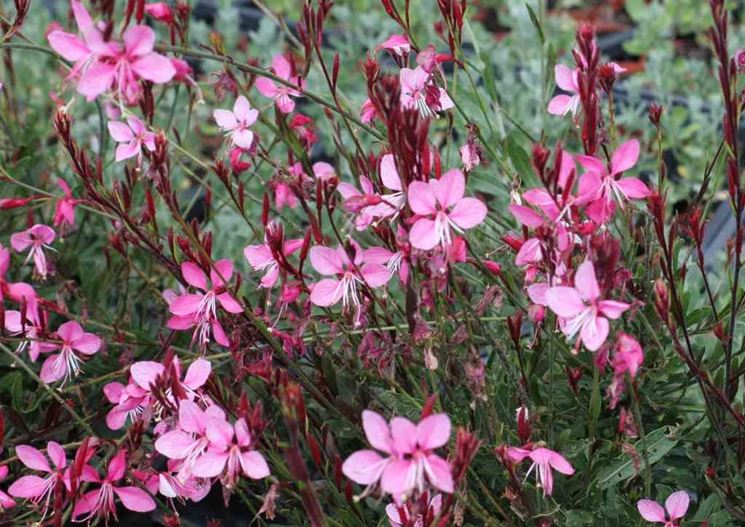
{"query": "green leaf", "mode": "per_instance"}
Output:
(536, 23)
(656, 444)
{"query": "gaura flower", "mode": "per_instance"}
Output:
(440, 206)
(582, 310)
(281, 93)
(236, 123)
(41, 490)
(75, 345)
(31, 328)
(392, 510)
(397, 44)
(20, 292)
(545, 461)
(35, 239)
(676, 506)
(566, 79)
(132, 135)
(419, 92)
(261, 258)
(64, 208)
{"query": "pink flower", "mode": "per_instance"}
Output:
(566, 79)
(368, 204)
(76, 49)
(440, 206)
(419, 92)
(628, 357)
(120, 67)
(100, 502)
(348, 272)
(393, 511)
(6, 502)
(261, 258)
(581, 309)
(36, 239)
(236, 123)
(396, 44)
(279, 92)
(200, 309)
(41, 490)
(411, 461)
(230, 452)
(31, 328)
(284, 196)
(368, 113)
(64, 208)
(599, 187)
(160, 11)
(20, 292)
(76, 344)
(546, 461)
(133, 135)
(676, 505)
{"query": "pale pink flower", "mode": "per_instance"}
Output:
(75, 345)
(41, 490)
(101, 501)
(30, 328)
(35, 239)
(392, 510)
(676, 506)
(600, 187)
(397, 44)
(566, 79)
(236, 123)
(281, 93)
(120, 67)
(230, 452)
(6, 502)
(133, 135)
(64, 208)
(323, 171)
(411, 461)
(349, 274)
(419, 92)
(440, 206)
(545, 461)
(200, 309)
(261, 258)
(582, 310)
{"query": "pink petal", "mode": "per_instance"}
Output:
(243, 138)
(229, 303)
(174, 444)
(225, 119)
(433, 431)
(135, 499)
(155, 68)
(537, 293)
(625, 156)
(86, 503)
(243, 111)
(404, 434)
(565, 78)
(468, 213)
(422, 198)
(526, 216)
(254, 465)
(127, 151)
(389, 173)
(190, 417)
(444, 100)
(564, 301)
(517, 454)
(209, 464)
(120, 132)
(651, 511)
(197, 374)
(145, 373)
(376, 430)
(96, 80)
(632, 188)
(53, 369)
(266, 87)
(559, 463)
(398, 477)
(585, 281)
(258, 256)
(194, 275)
(284, 103)
(594, 332)
(560, 105)
(281, 67)
(69, 46)
(439, 473)
(116, 418)
(32, 458)
(27, 487)
(423, 235)
(326, 292)
(222, 272)
(377, 255)
(364, 467)
(450, 188)
(326, 260)
(375, 275)
(220, 433)
(139, 40)
(592, 164)
(612, 309)
(529, 252)
(186, 304)
(87, 344)
(677, 504)
(57, 454)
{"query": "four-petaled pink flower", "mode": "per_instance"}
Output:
(261, 258)
(419, 92)
(600, 188)
(80, 51)
(676, 506)
(411, 461)
(440, 207)
(229, 453)
(544, 462)
(36, 239)
(100, 502)
(348, 272)
(133, 135)
(75, 344)
(41, 490)
(566, 79)
(236, 123)
(281, 93)
(200, 309)
(581, 309)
